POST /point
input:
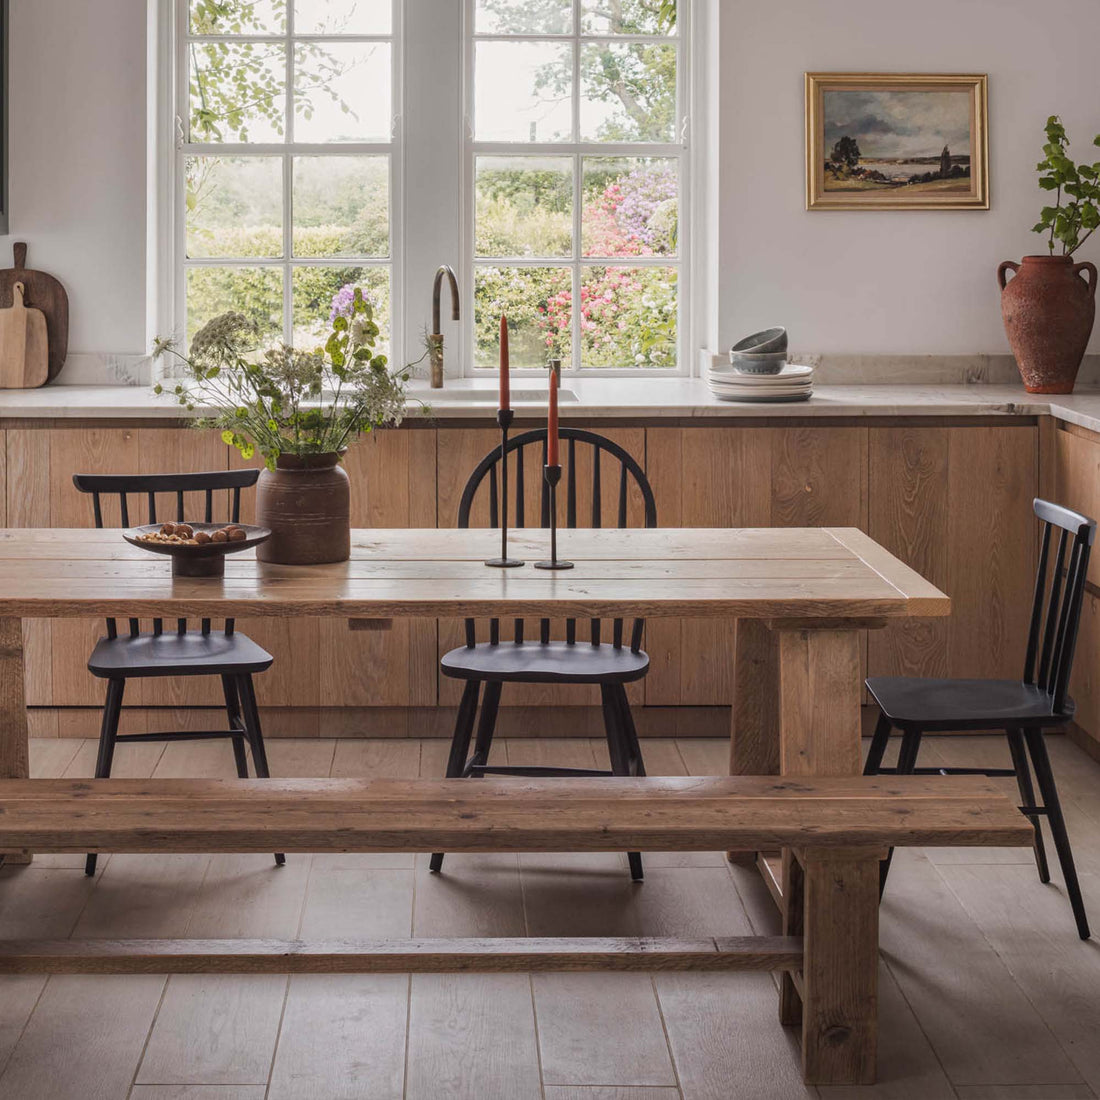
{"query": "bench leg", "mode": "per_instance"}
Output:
(13, 714)
(840, 970)
(793, 882)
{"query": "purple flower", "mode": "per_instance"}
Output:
(341, 302)
(643, 192)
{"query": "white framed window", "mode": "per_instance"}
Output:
(541, 147)
(287, 175)
(577, 168)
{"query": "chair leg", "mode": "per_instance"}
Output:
(233, 711)
(620, 753)
(486, 725)
(634, 748)
(907, 761)
(250, 713)
(108, 733)
(879, 741)
(460, 746)
(1027, 796)
(1044, 776)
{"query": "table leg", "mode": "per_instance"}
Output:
(819, 701)
(840, 966)
(13, 713)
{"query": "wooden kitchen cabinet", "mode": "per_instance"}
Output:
(955, 504)
(797, 476)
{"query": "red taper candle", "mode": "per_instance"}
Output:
(552, 417)
(505, 391)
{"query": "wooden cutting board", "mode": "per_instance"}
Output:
(45, 293)
(24, 349)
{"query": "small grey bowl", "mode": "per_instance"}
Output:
(767, 340)
(771, 362)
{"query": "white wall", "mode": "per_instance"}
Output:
(78, 172)
(843, 282)
(885, 282)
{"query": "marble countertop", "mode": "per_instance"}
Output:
(610, 398)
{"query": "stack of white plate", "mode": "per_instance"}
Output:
(793, 383)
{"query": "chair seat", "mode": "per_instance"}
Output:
(172, 654)
(931, 704)
(546, 663)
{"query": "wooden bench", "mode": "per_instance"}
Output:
(833, 833)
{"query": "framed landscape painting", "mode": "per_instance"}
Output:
(880, 141)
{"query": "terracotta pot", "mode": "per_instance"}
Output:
(1048, 310)
(306, 502)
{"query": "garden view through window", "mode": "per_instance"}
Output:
(575, 165)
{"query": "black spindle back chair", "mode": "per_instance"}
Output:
(1023, 709)
(232, 656)
(611, 665)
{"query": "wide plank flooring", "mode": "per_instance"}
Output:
(985, 991)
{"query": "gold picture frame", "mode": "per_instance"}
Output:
(901, 117)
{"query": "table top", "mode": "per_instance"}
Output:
(763, 573)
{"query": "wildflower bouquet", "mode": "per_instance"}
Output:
(280, 400)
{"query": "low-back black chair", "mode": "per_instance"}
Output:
(180, 652)
(1022, 708)
(528, 661)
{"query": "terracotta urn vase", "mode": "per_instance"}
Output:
(1048, 309)
(306, 502)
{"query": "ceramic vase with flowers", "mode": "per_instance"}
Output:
(299, 410)
(1049, 305)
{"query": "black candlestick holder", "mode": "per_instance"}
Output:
(552, 474)
(504, 419)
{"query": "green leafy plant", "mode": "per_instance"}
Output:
(1076, 212)
(276, 399)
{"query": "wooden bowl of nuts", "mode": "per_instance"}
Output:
(196, 549)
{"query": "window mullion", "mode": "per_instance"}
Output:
(288, 181)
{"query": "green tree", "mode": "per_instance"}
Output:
(639, 78)
(846, 152)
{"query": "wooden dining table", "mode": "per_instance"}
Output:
(802, 598)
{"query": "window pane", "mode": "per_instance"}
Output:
(628, 317)
(341, 206)
(238, 16)
(628, 17)
(256, 292)
(524, 206)
(628, 92)
(630, 206)
(342, 16)
(539, 305)
(522, 91)
(524, 17)
(342, 91)
(322, 292)
(234, 206)
(237, 91)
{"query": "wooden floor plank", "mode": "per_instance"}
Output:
(300, 756)
(84, 1039)
(48, 899)
(342, 1038)
(198, 1092)
(132, 760)
(725, 1038)
(18, 995)
(475, 895)
(472, 1035)
(601, 1029)
(362, 902)
(249, 896)
(982, 1026)
(381, 758)
(50, 756)
(1031, 928)
(215, 1029)
(610, 1092)
(144, 895)
(705, 755)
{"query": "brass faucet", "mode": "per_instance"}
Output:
(435, 337)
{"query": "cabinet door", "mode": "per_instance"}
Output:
(460, 450)
(323, 662)
(740, 477)
(955, 504)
